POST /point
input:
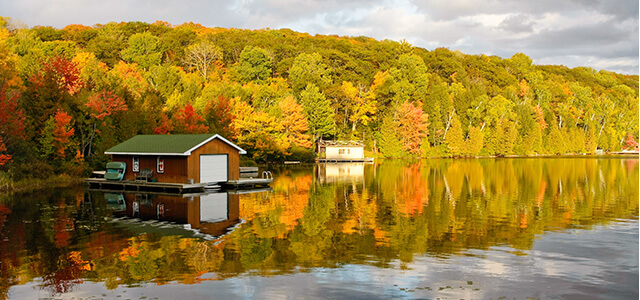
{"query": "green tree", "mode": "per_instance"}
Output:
(309, 69)
(454, 138)
(319, 112)
(475, 142)
(555, 142)
(389, 142)
(255, 64)
(144, 49)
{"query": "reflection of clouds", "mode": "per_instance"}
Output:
(581, 264)
(494, 268)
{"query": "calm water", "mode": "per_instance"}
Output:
(455, 229)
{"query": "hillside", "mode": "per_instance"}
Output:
(68, 94)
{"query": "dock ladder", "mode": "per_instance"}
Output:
(267, 175)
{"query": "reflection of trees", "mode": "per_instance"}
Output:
(438, 207)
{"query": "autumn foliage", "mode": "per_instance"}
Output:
(62, 132)
(4, 158)
(411, 124)
(63, 72)
(83, 89)
(104, 104)
(187, 120)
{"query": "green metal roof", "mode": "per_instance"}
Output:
(173, 144)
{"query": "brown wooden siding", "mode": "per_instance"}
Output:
(175, 167)
(179, 169)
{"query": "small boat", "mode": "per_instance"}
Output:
(115, 202)
(115, 170)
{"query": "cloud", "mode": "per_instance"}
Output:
(602, 34)
(519, 23)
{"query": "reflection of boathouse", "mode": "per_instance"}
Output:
(340, 172)
(211, 214)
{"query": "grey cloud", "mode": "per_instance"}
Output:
(601, 39)
(287, 10)
(448, 10)
(620, 9)
(519, 23)
(599, 33)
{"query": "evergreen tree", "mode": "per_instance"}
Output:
(555, 143)
(454, 138)
(390, 145)
(475, 142)
(319, 112)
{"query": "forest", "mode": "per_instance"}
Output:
(67, 95)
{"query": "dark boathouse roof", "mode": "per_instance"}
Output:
(171, 144)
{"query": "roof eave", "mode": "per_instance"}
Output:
(240, 150)
(146, 153)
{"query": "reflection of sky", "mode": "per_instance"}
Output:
(597, 263)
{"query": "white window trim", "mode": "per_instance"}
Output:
(158, 170)
(135, 164)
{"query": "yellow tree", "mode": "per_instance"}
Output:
(294, 123)
(363, 104)
(453, 138)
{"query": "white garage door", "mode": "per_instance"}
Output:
(214, 207)
(213, 168)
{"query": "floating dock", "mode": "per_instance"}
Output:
(128, 185)
(244, 183)
(177, 188)
(339, 160)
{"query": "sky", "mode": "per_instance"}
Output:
(600, 34)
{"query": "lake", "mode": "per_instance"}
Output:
(564, 228)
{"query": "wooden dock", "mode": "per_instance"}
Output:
(244, 183)
(128, 185)
(341, 160)
(174, 188)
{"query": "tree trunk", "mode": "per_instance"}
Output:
(448, 123)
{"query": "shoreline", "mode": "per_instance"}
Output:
(31, 185)
(64, 180)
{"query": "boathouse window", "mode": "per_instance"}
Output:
(135, 165)
(344, 151)
(160, 165)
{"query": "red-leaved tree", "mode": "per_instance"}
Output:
(630, 143)
(218, 113)
(62, 132)
(4, 158)
(100, 107)
(411, 124)
(11, 116)
(187, 120)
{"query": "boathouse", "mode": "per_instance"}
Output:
(179, 158)
(342, 150)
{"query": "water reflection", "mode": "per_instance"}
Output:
(385, 215)
(208, 214)
(340, 172)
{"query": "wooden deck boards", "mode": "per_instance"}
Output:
(167, 187)
(144, 186)
(246, 183)
(326, 160)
